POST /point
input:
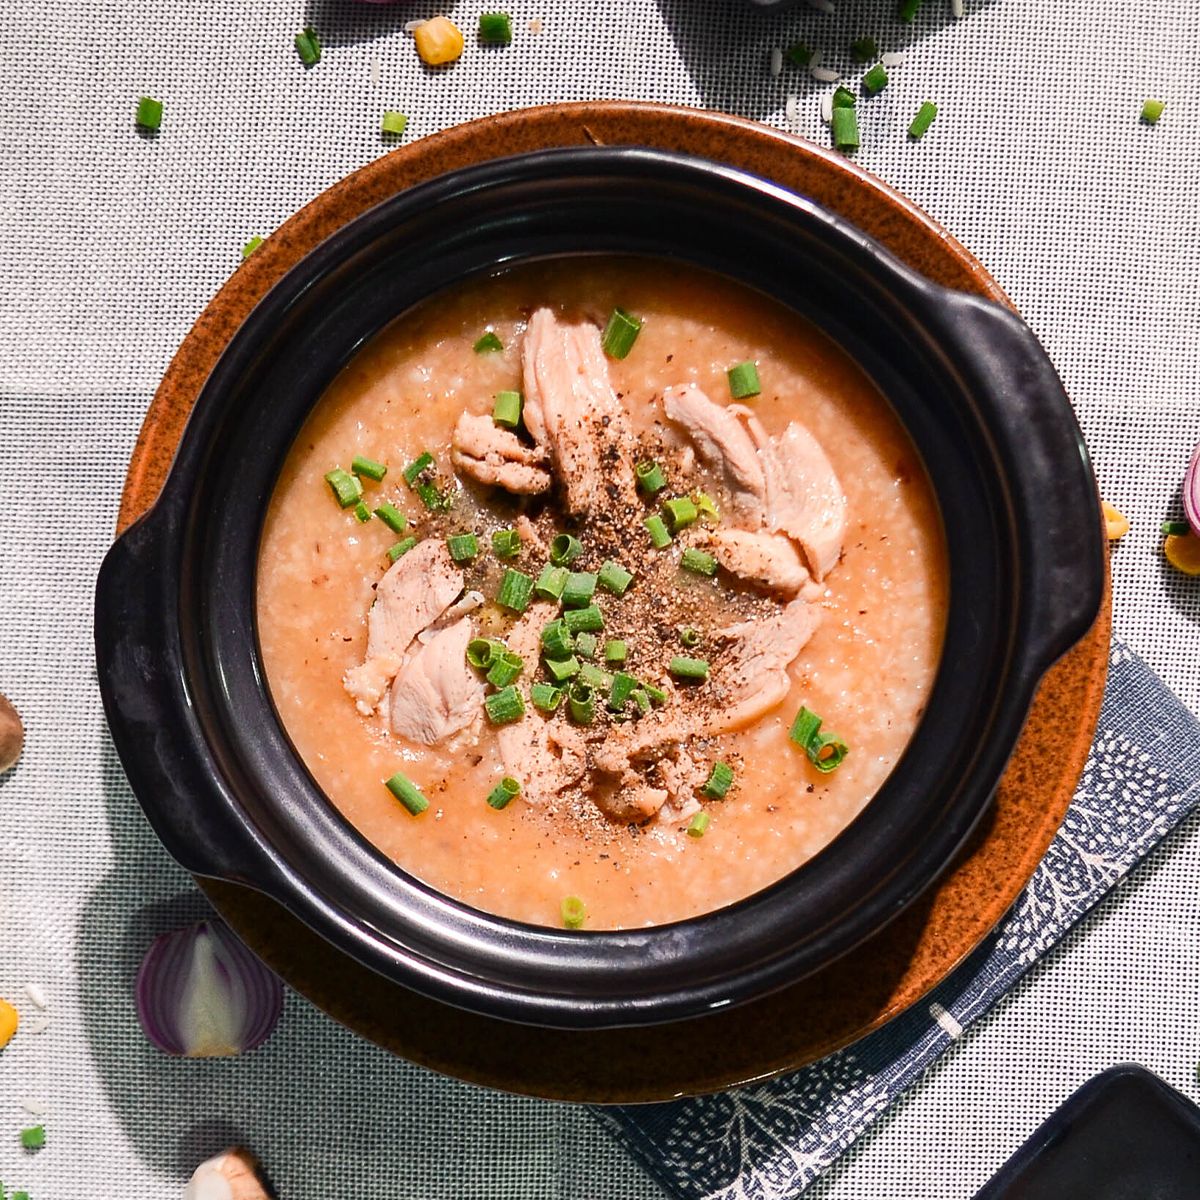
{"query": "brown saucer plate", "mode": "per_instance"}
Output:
(820, 1014)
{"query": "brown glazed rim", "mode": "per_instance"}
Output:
(810, 1019)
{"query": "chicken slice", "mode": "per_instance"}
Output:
(767, 559)
(724, 447)
(495, 456)
(572, 410)
(436, 693)
(414, 592)
(619, 764)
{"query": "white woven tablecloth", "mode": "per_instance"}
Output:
(110, 245)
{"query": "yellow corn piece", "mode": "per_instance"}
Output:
(439, 41)
(1183, 553)
(1116, 524)
(9, 1020)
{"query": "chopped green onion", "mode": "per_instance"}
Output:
(699, 562)
(690, 638)
(573, 912)
(660, 536)
(250, 247)
(556, 640)
(615, 651)
(922, 121)
(908, 9)
(401, 548)
(743, 380)
(506, 543)
(431, 497)
(804, 727)
(546, 697)
(33, 1138)
(488, 343)
(482, 652)
(584, 620)
(691, 669)
(393, 123)
(506, 791)
(551, 582)
(392, 517)
(369, 468)
(149, 116)
(1176, 528)
(698, 824)
(421, 463)
(346, 488)
(505, 669)
(799, 54)
(515, 590)
(843, 97)
(407, 793)
(681, 512)
(824, 750)
(642, 699)
(650, 477)
(845, 128)
(507, 409)
(585, 645)
(579, 589)
(562, 669)
(614, 578)
(594, 677)
(495, 28)
(362, 512)
(565, 549)
(864, 49)
(719, 781)
(505, 706)
(620, 333)
(623, 686)
(582, 703)
(875, 80)
(655, 693)
(20, 1196)
(1151, 111)
(462, 546)
(308, 46)
(708, 508)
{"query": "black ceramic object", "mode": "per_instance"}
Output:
(177, 649)
(1124, 1135)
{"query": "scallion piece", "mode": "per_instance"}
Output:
(407, 793)
(584, 620)
(346, 488)
(504, 793)
(845, 128)
(698, 824)
(250, 247)
(1175, 528)
(368, 468)
(681, 512)
(620, 333)
(656, 527)
(488, 344)
(581, 701)
(922, 121)
(462, 546)
(505, 669)
(615, 651)
(506, 543)
(642, 699)
(1152, 110)
(825, 751)
(694, 670)
(699, 562)
(308, 46)
(594, 677)
(421, 463)
(579, 589)
(393, 123)
(623, 687)
(864, 49)
(505, 706)
(908, 9)
(614, 578)
(804, 727)
(799, 54)
(690, 638)
(392, 517)
(573, 912)
(843, 97)
(557, 641)
(482, 652)
(546, 697)
(429, 495)
(33, 1138)
(516, 588)
(719, 781)
(655, 693)
(551, 582)
(743, 380)
(495, 28)
(506, 410)
(875, 80)
(562, 669)
(149, 116)
(585, 645)
(565, 549)
(708, 508)
(401, 548)
(650, 477)
(362, 512)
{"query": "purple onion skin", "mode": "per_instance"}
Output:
(1191, 492)
(163, 977)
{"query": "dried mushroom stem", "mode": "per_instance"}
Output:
(232, 1175)
(12, 735)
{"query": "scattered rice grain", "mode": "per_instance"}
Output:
(34, 1107)
(791, 111)
(824, 74)
(376, 71)
(536, 26)
(827, 108)
(37, 1025)
(776, 60)
(412, 26)
(894, 58)
(823, 6)
(956, 7)
(36, 996)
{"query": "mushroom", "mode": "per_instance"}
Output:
(231, 1175)
(12, 735)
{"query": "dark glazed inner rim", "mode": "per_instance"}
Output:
(601, 201)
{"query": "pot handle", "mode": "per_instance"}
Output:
(1063, 563)
(153, 719)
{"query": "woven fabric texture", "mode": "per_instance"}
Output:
(114, 241)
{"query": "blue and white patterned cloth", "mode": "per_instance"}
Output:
(769, 1141)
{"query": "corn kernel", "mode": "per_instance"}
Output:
(9, 1020)
(1183, 553)
(1116, 524)
(439, 41)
